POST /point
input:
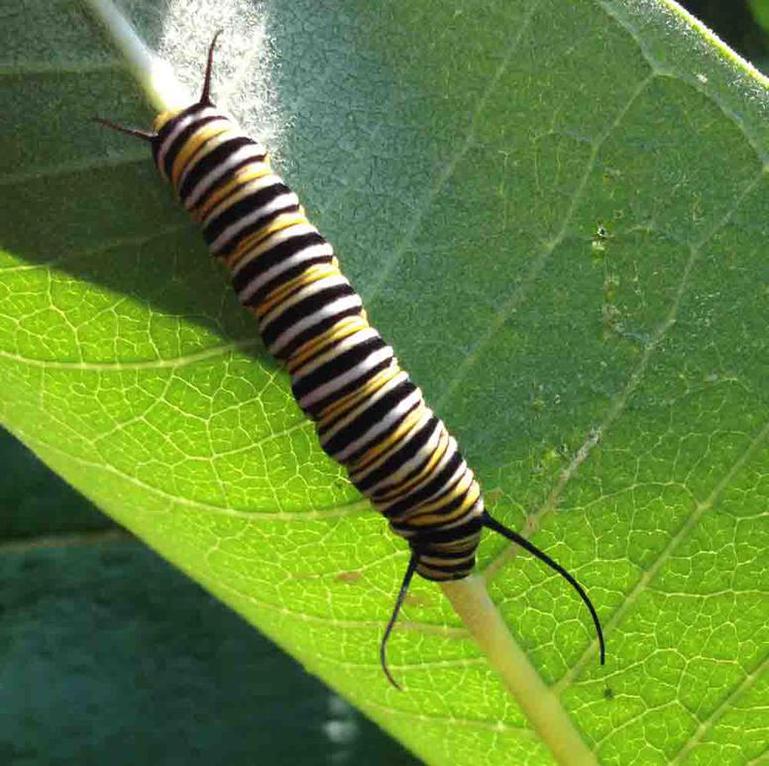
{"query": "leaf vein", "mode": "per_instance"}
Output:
(620, 402)
(707, 724)
(648, 575)
(151, 364)
(456, 157)
(73, 167)
(519, 295)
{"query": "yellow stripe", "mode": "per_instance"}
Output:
(462, 547)
(283, 221)
(369, 459)
(426, 516)
(349, 418)
(308, 350)
(391, 441)
(415, 515)
(351, 400)
(437, 519)
(307, 277)
(163, 118)
(193, 144)
(244, 190)
(243, 176)
(323, 357)
(264, 241)
(402, 489)
(434, 563)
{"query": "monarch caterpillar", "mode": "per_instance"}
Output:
(368, 414)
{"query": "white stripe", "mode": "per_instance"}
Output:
(263, 182)
(358, 337)
(209, 145)
(307, 254)
(334, 430)
(421, 423)
(451, 450)
(388, 483)
(392, 417)
(177, 129)
(282, 200)
(413, 512)
(333, 280)
(454, 479)
(475, 510)
(340, 381)
(335, 307)
(297, 230)
(250, 151)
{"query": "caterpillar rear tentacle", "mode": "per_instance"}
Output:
(493, 524)
(410, 569)
(368, 414)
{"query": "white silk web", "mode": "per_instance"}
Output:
(179, 33)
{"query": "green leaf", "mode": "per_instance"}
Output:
(557, 213)
(760, 10)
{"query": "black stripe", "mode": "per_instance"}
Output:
(315, 410)
(178, 143)
(391, 487)
(284, 278)
(368, 417)
(384, 435)
(204, 165)
(443, 510)
(442, 572)
(451, 553)
(421, 538)
(438, 480)
(405, 452)
(303, 308)
(243, 207)
(307, 336)
(317, 329)
(231, 244)
(459, 574)
(339, 364)
(259, 265)
(168, 126)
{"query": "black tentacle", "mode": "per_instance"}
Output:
(205, 96)
(410, 569)
(494, 525)
(143, 134)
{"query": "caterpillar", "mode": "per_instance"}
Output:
(368, 414)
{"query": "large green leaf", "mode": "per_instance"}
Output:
(557, 212)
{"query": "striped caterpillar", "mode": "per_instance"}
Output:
(368, 415)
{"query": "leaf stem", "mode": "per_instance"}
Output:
(155, 76)
(544, 711)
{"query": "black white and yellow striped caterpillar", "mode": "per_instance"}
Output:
(368, 414)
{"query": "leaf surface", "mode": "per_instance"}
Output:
(557, 214)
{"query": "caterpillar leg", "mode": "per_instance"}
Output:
(410, 569)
